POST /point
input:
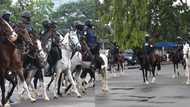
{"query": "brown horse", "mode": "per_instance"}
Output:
(116, 59)
(10, 58)
(148, 62)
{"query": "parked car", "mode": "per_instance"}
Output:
(130, 57)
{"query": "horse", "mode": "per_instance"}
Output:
(36, 61)
(116, 59)
(67, 43)
(10, 58)
(148, 62)
(176, 57)
(186, 54)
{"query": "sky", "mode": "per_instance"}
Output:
(59, 2)
(56, 2)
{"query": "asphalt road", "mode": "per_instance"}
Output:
(128, 90)
(65, 101)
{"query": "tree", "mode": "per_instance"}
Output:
(83, 10)
(129, 20)
(39, 9)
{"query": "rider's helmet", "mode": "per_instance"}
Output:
(147, 37)
(78, 25)
(6, 15)
(26, 16)
(88, 23)
(46, 23)
(6, 12)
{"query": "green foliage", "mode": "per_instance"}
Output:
(131, 19)
(83, 10)
(128, 19)
(39, 9)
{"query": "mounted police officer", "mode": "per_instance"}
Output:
(26, 19)
(93, 44)
(148, 48)
(146, 45)
(115, 51)
(50, 34)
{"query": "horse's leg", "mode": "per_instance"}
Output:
(59, 85)
(72, 81)
(153, 73)
(12, 80)
(78, 79)
(158, 67)
(50, 82)
(2, 83)
(177, 70)
(122, 67)
(174, 75)
(143, 72)
(58, 73)
(52, 78)
(146, 76)
(23, 83)
(118, 67)
(104, 80)
(44, 86)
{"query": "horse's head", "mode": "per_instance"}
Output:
(70, 40)
(7, 30)
(75, 40)
(40, 52)
(186, 50)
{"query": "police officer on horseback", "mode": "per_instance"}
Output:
(26, 19)
(147, 45)
(50, 34)
(93, 44)
(148, 48)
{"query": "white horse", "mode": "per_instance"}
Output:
(104, 73)
(67, 43)
(186, 53)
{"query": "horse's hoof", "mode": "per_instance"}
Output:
(153, 80)
(60, 94)
(79, 96)
(7, 105)
(46, 99)
(105, 90)
(33, 100)
(187, 83)
(55, 97)
(104, 93)
(146, 82)
(173, 76)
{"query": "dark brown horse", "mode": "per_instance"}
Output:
(116, 59)
(148, 62)
(176, 56)
(10, 58)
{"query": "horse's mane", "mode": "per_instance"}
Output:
(21, 30)
(5, 27)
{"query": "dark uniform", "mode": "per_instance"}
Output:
(55, 52)
(94, 45)
(148, 48)
(26, 19)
